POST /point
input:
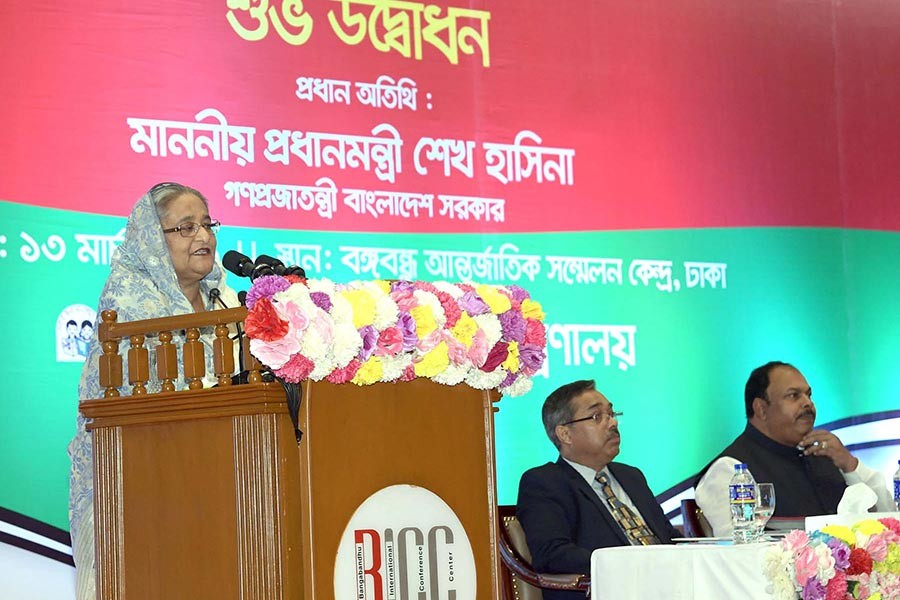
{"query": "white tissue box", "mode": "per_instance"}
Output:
(820, 521)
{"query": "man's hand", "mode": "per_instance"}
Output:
(819, 442)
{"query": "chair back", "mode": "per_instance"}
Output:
(695, 523)
(520, 581)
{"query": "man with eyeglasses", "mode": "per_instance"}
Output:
(584, 500)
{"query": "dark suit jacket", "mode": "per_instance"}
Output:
(564, 519)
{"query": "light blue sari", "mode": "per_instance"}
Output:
(142, 285)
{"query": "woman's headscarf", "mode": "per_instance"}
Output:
(142, 284)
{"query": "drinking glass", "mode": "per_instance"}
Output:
(765, 506)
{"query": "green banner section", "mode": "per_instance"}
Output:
(668, 322)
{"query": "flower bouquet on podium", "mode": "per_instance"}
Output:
(365, 332)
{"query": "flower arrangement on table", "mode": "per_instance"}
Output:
(366, 332)
(838, 562)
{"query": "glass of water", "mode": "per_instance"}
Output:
(765, 506)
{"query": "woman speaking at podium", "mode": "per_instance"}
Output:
(165, 266)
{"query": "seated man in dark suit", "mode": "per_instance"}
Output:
(568, 508)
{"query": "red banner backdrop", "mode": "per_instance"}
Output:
(629, 114)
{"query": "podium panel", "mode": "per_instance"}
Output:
(197, 495)
(359, 441)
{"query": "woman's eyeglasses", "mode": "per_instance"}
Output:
(190, 228)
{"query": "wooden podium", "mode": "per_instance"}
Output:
(205, 493)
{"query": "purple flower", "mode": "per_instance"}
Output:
(266, 287)
(531, 357)
(321, 299)
(512, 324)
(510, 379)
(473, 304)
(841, 553)
(369, 337)
(407, 326)
(813, 590)
(402, 286)
(518, 293)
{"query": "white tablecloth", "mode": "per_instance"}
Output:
(682, 571)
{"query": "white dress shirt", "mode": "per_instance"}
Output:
(712, 492)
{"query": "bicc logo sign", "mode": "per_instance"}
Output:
(404, 543)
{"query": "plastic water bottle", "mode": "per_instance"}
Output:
(742, 495)
(897, 486)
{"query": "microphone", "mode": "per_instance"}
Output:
(279, 267)
(239, 264)
(216, 296)
(242, 297)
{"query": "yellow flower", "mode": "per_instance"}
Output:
(869, 527)
(363, 307)
(494, 298)
(891, 563)
(425, 321)
(465, 329)
(532, 310)
(842, 533)
(384, 285)
(512, 358)
(436, 361)
(370, 372)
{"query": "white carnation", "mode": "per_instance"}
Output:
(347, 343)
(452, 375)
(480, 380)
(490, 324)
(519, 387)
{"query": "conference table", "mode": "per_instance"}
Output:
(689, 570)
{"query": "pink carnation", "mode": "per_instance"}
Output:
(431, 340)
(276, 353)
(478, 351)
(409, 373)
(837, 587)
(891, 523)
(294, 315)
(795, 541)
(451, 309)
(426, 286)
(877, 547)
(806, 563)
(535, 333)
(456, 350)
(404, 299)
(296, 369)
(390, 342)
(345, 374)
